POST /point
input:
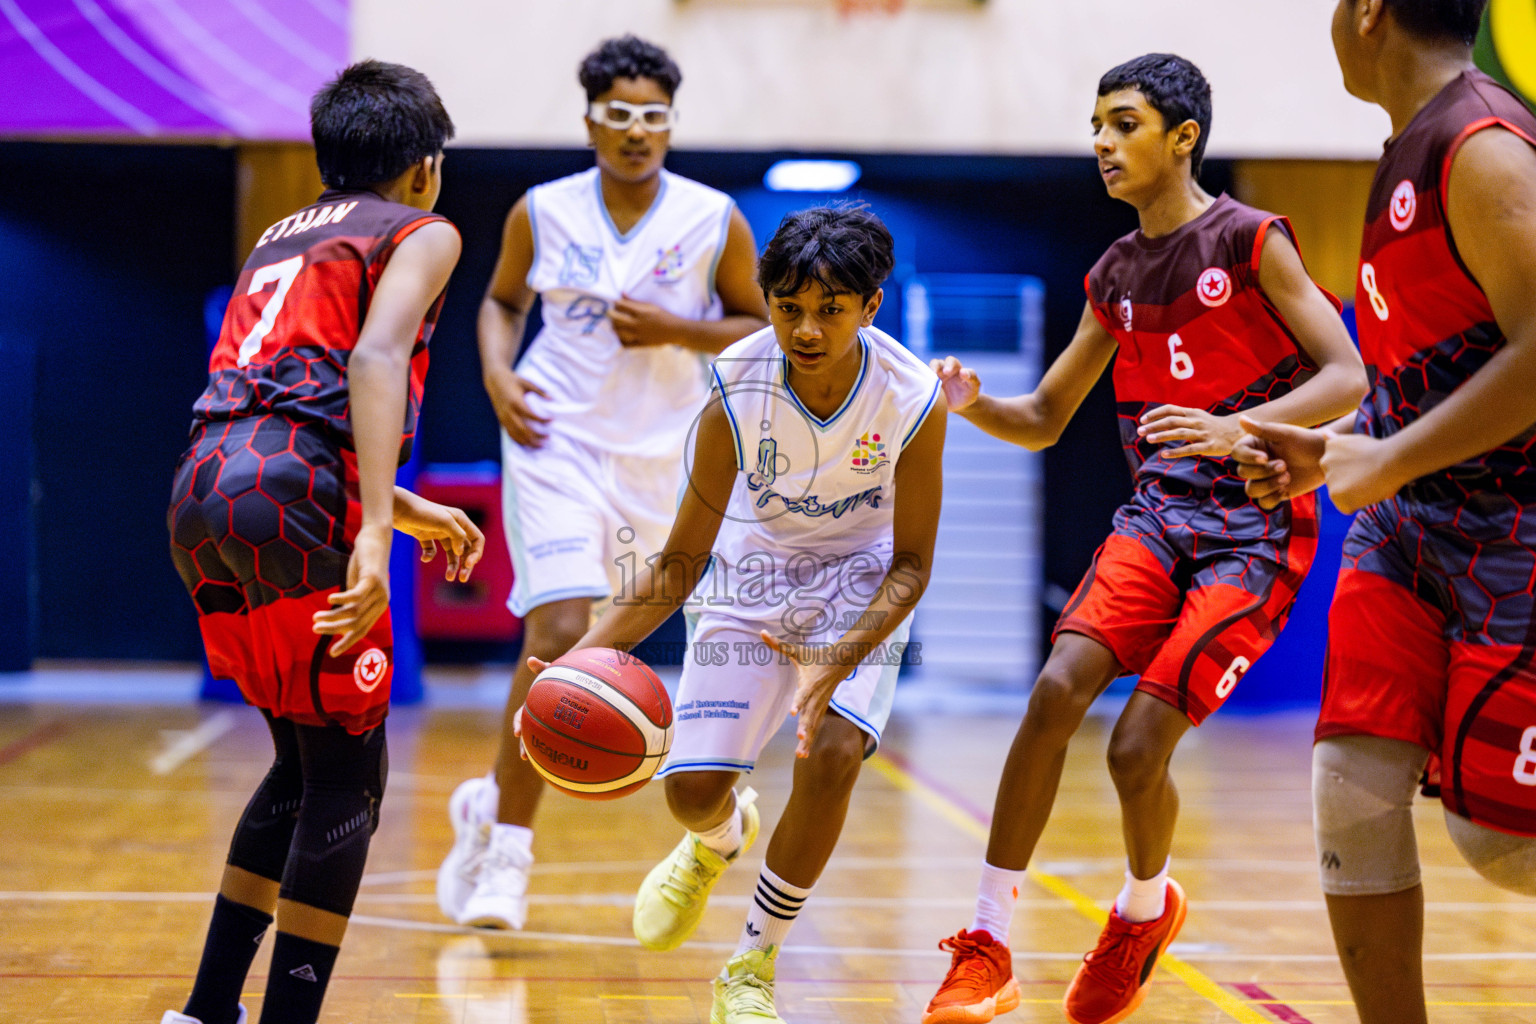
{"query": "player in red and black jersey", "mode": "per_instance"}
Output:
(1206, 312)
(1432, 632)
(282, 514)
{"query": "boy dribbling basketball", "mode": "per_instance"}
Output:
(811, 511)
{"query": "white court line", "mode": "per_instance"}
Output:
(1208, 953)
(186, 745)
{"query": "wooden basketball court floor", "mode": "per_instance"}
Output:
(115, 818)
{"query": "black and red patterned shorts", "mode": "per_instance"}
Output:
(1431, 637)
(262, 517)
(1187, 601)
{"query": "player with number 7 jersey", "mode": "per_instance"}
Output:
(272, 442)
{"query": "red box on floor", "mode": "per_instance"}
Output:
(477, 609)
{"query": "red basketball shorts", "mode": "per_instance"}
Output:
(1431, 637)
(1190, 609)
(263, 513)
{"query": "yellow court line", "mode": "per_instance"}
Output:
(433, 995)
(1203, 986)
(649, 998)
(845, 999)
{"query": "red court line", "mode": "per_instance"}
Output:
(42, 735)
(1280, 1010)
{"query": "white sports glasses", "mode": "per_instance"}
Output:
(618, 115)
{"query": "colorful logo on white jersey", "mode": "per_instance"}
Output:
(1405, 202)
(581, 265)
(1214, 286)
(368, 671)
(669, 265)
(1125, 311)
(869, 454)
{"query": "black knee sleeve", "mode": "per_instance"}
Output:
(265, 833)
(344, 778)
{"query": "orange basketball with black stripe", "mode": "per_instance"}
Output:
(597, 723)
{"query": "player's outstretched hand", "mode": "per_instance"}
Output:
(431, 524)
(1279, 461)
(1201, 432)
(815, 680)
(509, 397)
(1358, 471)
(639, 324)
(961, 385)
(354, 611)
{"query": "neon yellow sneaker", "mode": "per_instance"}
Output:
(744, 989)
(672, 897)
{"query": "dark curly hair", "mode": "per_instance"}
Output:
(373, 121)
(1440, 19)
(628, 57)
(1174, 88)
(843, 247)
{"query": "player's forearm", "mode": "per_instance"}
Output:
(1018, 420)
(647, 601)
(898, 595)
(1496, 404)
(1334, 392)
(377, 383)
(499, 330)
(713, 336)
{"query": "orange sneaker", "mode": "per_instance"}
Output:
(1112, 981)
(980, 983)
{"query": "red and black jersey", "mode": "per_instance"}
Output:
(298, 308)
(1194, 329)
(1425, 324)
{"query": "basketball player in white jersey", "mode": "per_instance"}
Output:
(644, 276)
(812, 502)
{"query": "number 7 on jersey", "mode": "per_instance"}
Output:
(284, 273)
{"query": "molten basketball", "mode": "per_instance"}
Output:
(597, 723)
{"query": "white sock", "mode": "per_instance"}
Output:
(1143, 899)
(773, 909)
(489, 801)
(995, 899)
(517, 837)
(725, 838)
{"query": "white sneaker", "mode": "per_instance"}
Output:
(172, 1017)
(471, 834)
(500, 899)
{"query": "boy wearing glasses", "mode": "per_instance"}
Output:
(644, 277)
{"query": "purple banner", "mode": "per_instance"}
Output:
(180, 68)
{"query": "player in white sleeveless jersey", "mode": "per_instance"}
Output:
(643, 276)
(812, 501)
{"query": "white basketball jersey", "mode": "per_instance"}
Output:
(637, 401)
(823, 488)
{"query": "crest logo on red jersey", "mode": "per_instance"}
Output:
(1405, 202)
(368, 671)
(1214, 286)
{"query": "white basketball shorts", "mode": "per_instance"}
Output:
(581, 522)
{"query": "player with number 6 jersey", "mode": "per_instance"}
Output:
(1206, 312)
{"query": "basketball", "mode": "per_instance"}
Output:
(597, 723)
